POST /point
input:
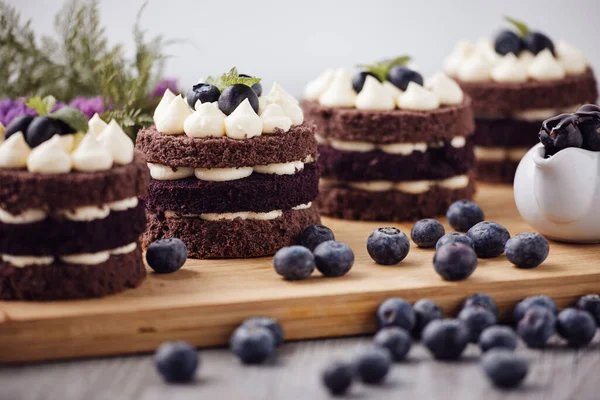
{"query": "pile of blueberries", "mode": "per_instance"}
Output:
(228, 100)
(37, 130)
(580, 129)
(398, 75)
(508, 41)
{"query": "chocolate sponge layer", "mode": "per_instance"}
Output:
(506, 132)
(396, 126)
(232, 238)
(61, 281)
(184, 151)
(435, 163)
(20, 189)
(63, 237)
(258, 192)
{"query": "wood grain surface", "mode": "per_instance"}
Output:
(203, 302)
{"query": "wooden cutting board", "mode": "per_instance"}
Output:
(206, 300)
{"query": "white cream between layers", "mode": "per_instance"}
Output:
(87, 213)
(84, 259)
(534, 114)
(410, 187)
(245, 215)
(391, 148)
(500, 153)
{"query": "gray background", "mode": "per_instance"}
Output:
(293, 41)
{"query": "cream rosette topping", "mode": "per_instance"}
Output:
(571, 58)
(445, 88)
(118, 144)
(171, 120)
(243, 122)
(339, 93)
(374, 96)
(417, 98)
(206, 121)
(90, 156)
(14, 152)
(315, 88)
(288, 103)
(273, 117)
(509, 69)
(49, 157)
(97, 125)
(545, 67)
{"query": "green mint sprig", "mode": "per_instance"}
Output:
(521, 26)
(43, 106)
(381, 69)
(73, 117)
(231, 78)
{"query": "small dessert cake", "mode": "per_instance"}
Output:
(516, 81)
(233, 171)
(392, 147)
(70, 218)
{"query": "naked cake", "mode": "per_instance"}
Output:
(233, 170)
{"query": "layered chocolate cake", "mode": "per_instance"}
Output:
(392, 147)
(516, 81)
(233, 170)
(70, 217)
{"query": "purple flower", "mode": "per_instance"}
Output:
(89, 105)
(163, 85)
(10, 109)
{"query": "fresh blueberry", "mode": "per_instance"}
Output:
(498, 337)
(463, 215)
(560, 132)
(271, 324)
(477, 319)
(338, 377)
(425, 312)
(388, 246)
(489, 239)
(455, 261)
(204, 92)
(396, 312)
(18, 124)
(505, 368)
(577, 327)
(527, 250)
(252, 344)
(396, 340)
(401, 76)
(232, 96)
(446, 339)
(508, 42)
(528, 302)
(588, 116)
(176, 361)
(166, 255)
(536, 326)
(314, 235)
(358, 80)
(40, 130)
(482, 300)
(591, 304)
(257, 87)
(536, 42)
(426, 232)
(372, 364)
(294, 263)
(333, 258)
(454, 237)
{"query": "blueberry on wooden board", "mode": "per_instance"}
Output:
(426, 232)
(333, 259)
(314, 235)
(464, 214)
(455, 261)
(294, 263)
(396, 312)
(388, 246)
(489, 239)
(527, 250)
(166, 255)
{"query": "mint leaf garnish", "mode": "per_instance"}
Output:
(381, 69)
(231, 78)
(37, 103)
(73, 117)
(520, 25)
(50, 102)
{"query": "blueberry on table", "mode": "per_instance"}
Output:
(426, 232)
(203, 92)
(176, 362)
(455, 261)
(508, 42)
(252, 344)
(463, 215)
(270, 323)
(454, 237)
(166, 255)
(314, 235)
(388, 246)
(591, 304)
(536, 326)
(561, 132)
(401, 76)
(498, 337)
(482, 300)
(504, 368)
(333, 259)
(396, 312)
(338, 377)
(40, 130)
(358, 80)
(372, 364)
(527, 250)
(425, 311)
(477, 319)
(394, 339)
(232, 96)
(489, 239)
(294, 263)
(536, 42)
(576, 326)
(18, 124)
(528, 302)
(446, 339)
(257, 87)
(589, 123)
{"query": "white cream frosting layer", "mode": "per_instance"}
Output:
(534, 114)
(500, 153)
(410, 187)
(391, 148)
(86, 213)
(85, 259)
(245, 215)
